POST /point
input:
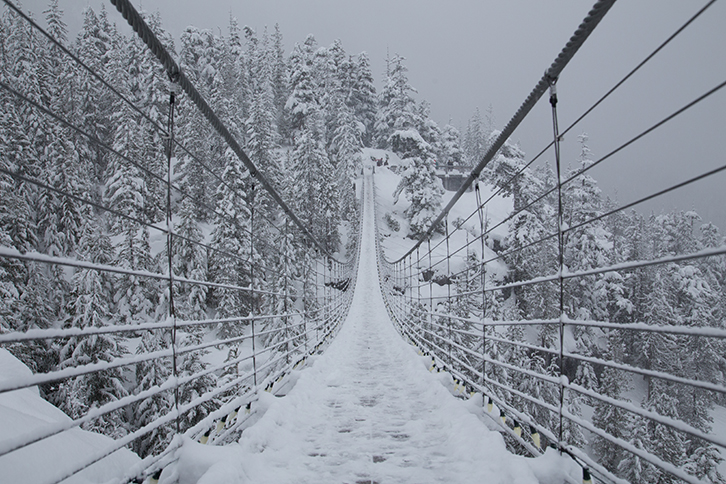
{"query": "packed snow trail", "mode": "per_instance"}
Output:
(367, 411)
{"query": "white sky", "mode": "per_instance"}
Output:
(467, 53)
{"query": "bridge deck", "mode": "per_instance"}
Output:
(369, 411)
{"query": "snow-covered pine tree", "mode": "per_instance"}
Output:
(704, 463)
(94, 45)
(475, 140)
(284, 281)
(586, 247)
(315, 197)
(397, 108)
(199, 52)
(90, 306)
(397, 128)
(451, 153)
(150, 374)
(419, 182)
(280, 89)
(613, 420)
(429, 130)
(467, 304)
(363, 97)
(191, 304)
(232, 235)
(36, 290)
(125, 191)
(529, 253)
(303, 102)
(632, 468)
(345, 150)
(260, 124)
(190, 261)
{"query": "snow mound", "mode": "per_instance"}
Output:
(24, 412)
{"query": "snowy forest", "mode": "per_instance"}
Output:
(304, 119)
(83, 177)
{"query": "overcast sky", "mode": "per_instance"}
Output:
(467, 54)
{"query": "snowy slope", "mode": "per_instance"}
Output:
(368, 410)
(24, 411)
(395, 243)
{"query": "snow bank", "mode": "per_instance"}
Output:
(24, 411)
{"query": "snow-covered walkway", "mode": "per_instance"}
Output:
(368, 411)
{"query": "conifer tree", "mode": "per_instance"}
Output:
(397, 110)
(362, 97)
(279, 84)
(90, 306)
(232, 236)
(451, 146)
(419, 182)
(149, 374)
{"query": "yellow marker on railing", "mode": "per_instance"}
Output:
(503, 417)
(535, 436)
(231, 417)
(517, 428)
(205, 437)
(490, 405)
(586, 479)
(248, 408)
(220, 425)
(155, 478)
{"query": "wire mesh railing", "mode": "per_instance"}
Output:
(585, 325)
(146, 309)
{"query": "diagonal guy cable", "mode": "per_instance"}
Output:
(176, 75)
(593, 18)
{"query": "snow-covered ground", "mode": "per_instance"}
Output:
(395, 243)
(367, 410)
(24, 412)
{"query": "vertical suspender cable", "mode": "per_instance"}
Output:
(173, 87)
(315, 299)
(286, 290)
(561, 251)
(482, 231)
(448, 285)
(253, 296)
(418, 293)
(587, 26)
(410, 283)
(431, 288)
(306, 275)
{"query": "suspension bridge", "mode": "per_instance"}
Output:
(364, 368)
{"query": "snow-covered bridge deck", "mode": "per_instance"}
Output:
(368, 411)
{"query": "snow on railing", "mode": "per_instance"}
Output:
(150, 311)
